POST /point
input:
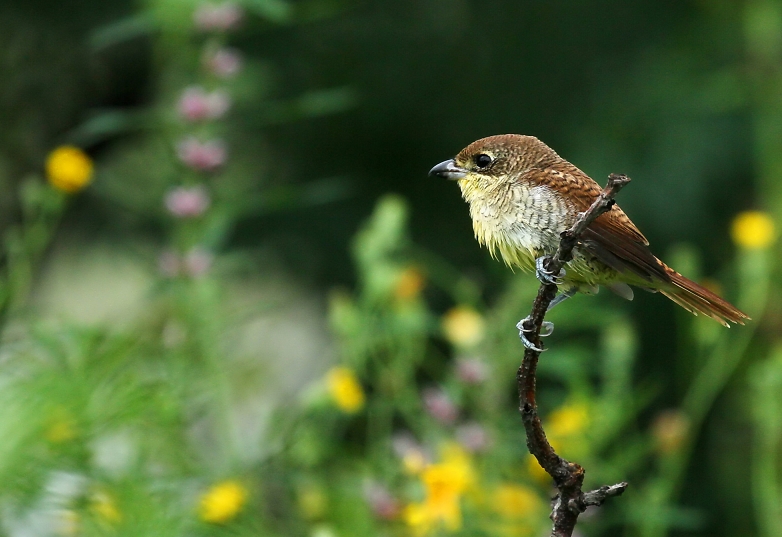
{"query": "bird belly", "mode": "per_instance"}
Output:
(518, 224)
(517, 247)
(519, 244)
(584, 269)
(515, 241)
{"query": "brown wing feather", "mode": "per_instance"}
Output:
(614, 240)
(622, 253)
(582, 190)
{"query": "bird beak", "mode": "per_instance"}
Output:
(448, 170)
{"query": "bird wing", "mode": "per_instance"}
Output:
(612, 238)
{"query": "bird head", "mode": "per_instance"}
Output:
(495, 159)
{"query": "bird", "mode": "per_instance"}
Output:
(522, 195)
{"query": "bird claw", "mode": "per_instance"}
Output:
(528, 344)
(546, 328)
(544, 275)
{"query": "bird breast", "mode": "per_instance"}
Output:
(520, 221)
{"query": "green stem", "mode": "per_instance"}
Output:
(766, 381)
(722, 361)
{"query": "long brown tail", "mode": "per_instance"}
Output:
(697, 299)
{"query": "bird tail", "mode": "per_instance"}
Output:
(697, 299)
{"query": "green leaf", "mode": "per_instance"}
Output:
(120, 31)
(275, 11)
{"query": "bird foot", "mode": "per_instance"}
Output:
(544, 275)
(546, 328)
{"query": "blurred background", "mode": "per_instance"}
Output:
(233, 303)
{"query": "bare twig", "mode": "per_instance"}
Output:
(568, 476)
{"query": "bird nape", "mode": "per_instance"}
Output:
(522, 196)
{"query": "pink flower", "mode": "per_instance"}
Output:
(473, 437)
(223, 62)
(440, 406)
(380, 500)
(202, 156)
(169, 264)
(217, 17)
(403, 443)
(414, 456)
(184, 202)
(196, 104)
(197, 262)
(471, 371)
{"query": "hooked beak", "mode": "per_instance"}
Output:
(448, 170)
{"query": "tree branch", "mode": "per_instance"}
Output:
(568, 476)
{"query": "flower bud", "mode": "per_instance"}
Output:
(217, 17)
(670, 430)
(223, 502)
(381, 502)
(184, 202)
(463, 326)
(473, 437)
(201, 156)
(471, 371)
(68, 169)
(753, 230)
(440, 406)
(196, 104)
(223, 62)
(414, 457)
(169, 264)
(345, 389)
(197, 262)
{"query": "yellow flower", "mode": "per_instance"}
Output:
(519, 508)
(61, 428)
(566, 427)
(103, 505)
(516, 501)
(409, 284)
(345, 389)
(414, 462)
(536, 470)
(223, 502)
(444, 483)
(753, 230)
(567, 420)
(463, 326)
(417, 517)
(68, 168)
(312, 501)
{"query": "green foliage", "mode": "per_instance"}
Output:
(228, 401)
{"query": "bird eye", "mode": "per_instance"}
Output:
(483, 160)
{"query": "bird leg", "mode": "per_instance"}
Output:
(546, 327)
(544, 275)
